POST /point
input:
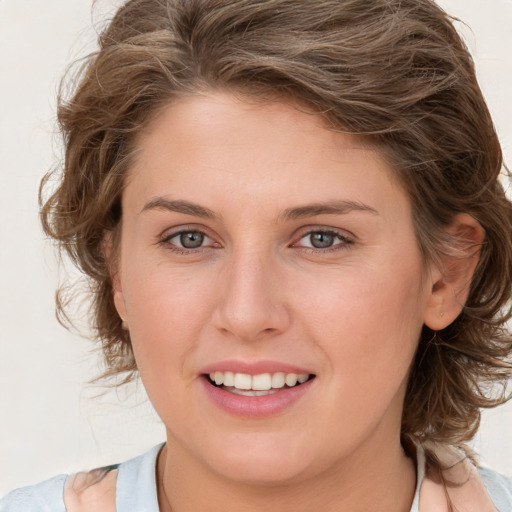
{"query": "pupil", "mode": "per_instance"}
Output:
(191, 240)
(321, 240)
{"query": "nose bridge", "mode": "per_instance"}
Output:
(250, 302)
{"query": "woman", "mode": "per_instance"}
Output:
(292, 220)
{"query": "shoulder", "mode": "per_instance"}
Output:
(467, 487)
(47, 496)
(128, 486)
(123, 488)
(499, 488)
(92, 490)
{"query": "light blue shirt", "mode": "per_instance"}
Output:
(136, 489)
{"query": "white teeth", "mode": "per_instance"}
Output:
(229, 379)
(251, 392)
(291, 379)
(303, 377)
(243, 381)
(260, 382)
(278, 380)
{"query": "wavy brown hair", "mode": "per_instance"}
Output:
(394, 72)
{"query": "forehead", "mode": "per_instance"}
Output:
(208, 116)
(255, 150)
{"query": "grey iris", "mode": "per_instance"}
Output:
(321, 240)
(191, 239)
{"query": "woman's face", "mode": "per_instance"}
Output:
(259, 247)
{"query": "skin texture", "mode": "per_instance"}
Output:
(255, 290)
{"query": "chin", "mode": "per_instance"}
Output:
(267, 462)
(259, 473)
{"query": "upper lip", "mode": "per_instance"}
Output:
(252, 367)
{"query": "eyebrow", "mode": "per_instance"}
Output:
(328, 208)
(179, 206)
(296, 213)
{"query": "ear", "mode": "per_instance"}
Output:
(119, 303)
(115, 277)
(451, 279)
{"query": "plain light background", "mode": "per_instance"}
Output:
(49, 420)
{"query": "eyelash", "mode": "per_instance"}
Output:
(166, 241)
(343, 241)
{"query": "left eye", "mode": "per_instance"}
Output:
(322, 240)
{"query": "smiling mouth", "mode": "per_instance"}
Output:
(257, 385)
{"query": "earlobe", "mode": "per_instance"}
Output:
(451, 279)
(120, 306)
(117, 292)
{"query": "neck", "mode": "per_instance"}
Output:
(382, 479)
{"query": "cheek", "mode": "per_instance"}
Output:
(367, 322)
(167, 312)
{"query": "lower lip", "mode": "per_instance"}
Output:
(255, 406)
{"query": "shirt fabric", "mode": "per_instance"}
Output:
(136, 488)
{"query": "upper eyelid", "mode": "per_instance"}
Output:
(187, 228)
(328, 231)
(308, 230)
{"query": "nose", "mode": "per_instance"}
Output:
(251, 302)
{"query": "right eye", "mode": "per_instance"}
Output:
(188, 240)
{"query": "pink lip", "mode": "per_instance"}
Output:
(252, 368)
(255, 406)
